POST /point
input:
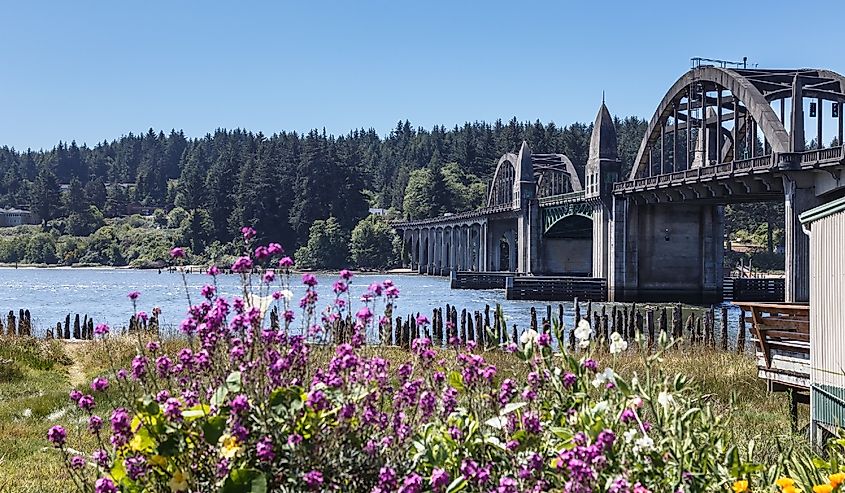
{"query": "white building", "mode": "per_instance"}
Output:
(15, 217)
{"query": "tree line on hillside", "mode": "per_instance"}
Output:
(280, 184)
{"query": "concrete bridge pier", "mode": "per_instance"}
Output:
(799, 197)
(666, 252)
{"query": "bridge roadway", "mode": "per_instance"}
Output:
(718, 137)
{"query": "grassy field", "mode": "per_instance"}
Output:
(36, 376)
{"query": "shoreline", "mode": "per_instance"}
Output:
(193, 269)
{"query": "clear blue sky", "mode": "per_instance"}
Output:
(96, 70)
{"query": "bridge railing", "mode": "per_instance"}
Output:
(562, 198)
(820, 155)
(710, 172)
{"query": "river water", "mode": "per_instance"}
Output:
(52, 293)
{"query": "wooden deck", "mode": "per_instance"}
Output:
(781, 332)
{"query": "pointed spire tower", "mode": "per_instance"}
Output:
(603, 164)
(524, 185)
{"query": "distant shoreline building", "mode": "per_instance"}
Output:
(16, 217)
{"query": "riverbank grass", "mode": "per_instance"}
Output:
(35, 397)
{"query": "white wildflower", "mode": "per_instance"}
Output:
(617, 344)
(643, 444)
(529, 337)
(665, 399)
(630, 435)
(605, 377)
(582, 333)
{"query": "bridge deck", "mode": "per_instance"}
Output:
(744, 167)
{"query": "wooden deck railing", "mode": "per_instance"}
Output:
(782, 332)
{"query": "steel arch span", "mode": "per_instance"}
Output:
(749, 104)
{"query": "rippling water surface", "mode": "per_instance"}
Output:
(51, 293)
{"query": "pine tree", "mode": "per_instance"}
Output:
(190, 191)
(44, 199)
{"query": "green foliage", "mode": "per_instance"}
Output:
(372, 244)
(40, 249)
(9, 371)
(84, 222)
(282, 183)
(176, 218)
(327, 246)
(419, 199)
(44, 199)
(197, 230)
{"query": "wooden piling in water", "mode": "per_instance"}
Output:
(689, 329)
(11, 327)
(677, 328)
(724, 328)
(470, 328)
(698, 331)
(649, 323)
(596, 325)
(740, 333)
(605, 328)
(620, 323)
(638, 322)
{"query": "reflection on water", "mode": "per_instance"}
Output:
(51, 293)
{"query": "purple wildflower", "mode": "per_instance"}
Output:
(105, 485)
(57, 435)
(264, 449)
(248, 232)
(314, 479)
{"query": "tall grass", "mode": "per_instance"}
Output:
(38, 399)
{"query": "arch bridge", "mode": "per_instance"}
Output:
(719, 136)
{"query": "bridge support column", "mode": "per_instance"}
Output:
(622, 279)
(798, 199)
(528, 238)
(667, 252)
(601, 240)
(483, 263)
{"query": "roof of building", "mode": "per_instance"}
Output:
(13, 211)
(822, 211)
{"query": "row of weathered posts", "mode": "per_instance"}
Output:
(81, 328)
(17, 326)
(447, 326)
(487, 328)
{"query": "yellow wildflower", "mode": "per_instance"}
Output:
(158, 460)
(785, 482)
(789, 489)
(822, 488)
(230, 447)
(179, 482)
(836, 479)
(740, 486)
